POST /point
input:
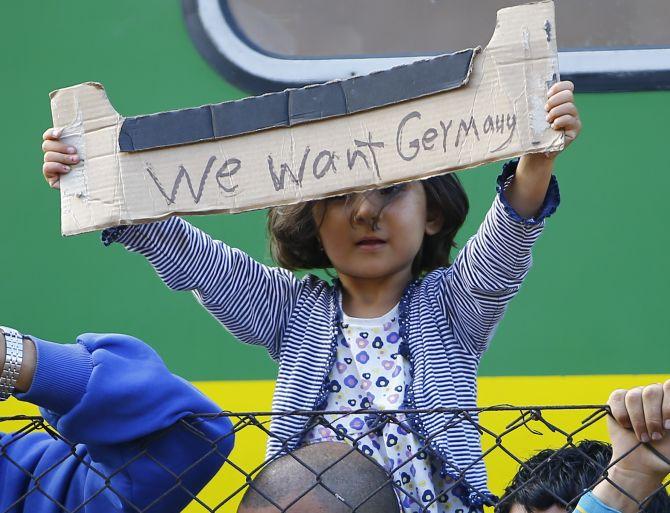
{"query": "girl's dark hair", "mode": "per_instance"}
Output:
(295, 244)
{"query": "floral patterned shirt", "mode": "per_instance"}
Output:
(370, 374)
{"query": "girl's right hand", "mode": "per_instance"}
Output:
(58, 157)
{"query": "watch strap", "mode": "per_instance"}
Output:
(13, 361)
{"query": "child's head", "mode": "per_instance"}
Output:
(372, 234)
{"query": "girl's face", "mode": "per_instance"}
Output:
(364, 240)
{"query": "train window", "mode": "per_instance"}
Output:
(605, 45)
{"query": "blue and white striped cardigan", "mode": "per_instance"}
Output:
(447, 319)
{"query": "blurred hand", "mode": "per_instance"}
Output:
(562, 112)
(58, 157)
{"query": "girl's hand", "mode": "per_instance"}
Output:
(562, 112)
(527, 191)
(58, 157)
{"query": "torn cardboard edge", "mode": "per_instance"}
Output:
(411, 122)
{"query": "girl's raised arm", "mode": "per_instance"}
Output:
(489, 270)
(253, 301)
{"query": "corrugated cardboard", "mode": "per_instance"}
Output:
(411, 122)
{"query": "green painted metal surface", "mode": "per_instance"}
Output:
(595, 301)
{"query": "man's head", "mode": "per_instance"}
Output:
(328, 477)
(552, 479)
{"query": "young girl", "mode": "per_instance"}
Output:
(399, 329)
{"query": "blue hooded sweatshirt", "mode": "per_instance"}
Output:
(112, 396)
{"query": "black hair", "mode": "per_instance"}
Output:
(558, 477)
(334, 475)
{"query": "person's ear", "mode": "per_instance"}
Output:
(434, 222)
(318, 212)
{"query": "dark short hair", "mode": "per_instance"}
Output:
(295, 245)
(335, 475)
(556, 477)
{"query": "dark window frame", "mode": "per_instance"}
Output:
(229, 51)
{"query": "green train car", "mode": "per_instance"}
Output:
(592, 314)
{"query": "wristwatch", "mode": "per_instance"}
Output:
(13, 360)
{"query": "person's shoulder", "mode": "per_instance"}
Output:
(314, 284)
(315, 297)
(434, 284)
(433, 277)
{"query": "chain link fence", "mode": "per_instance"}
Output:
(510, 436)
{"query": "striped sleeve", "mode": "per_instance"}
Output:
(489, 270)
(251, 300)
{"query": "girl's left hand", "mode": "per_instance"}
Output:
(529, 187)
(562, 112)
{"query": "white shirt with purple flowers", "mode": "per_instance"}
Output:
(370, 374)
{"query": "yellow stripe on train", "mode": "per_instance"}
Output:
(246, 396)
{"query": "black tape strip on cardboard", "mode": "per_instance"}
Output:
(294, 106)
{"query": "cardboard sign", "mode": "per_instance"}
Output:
(410, 122)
